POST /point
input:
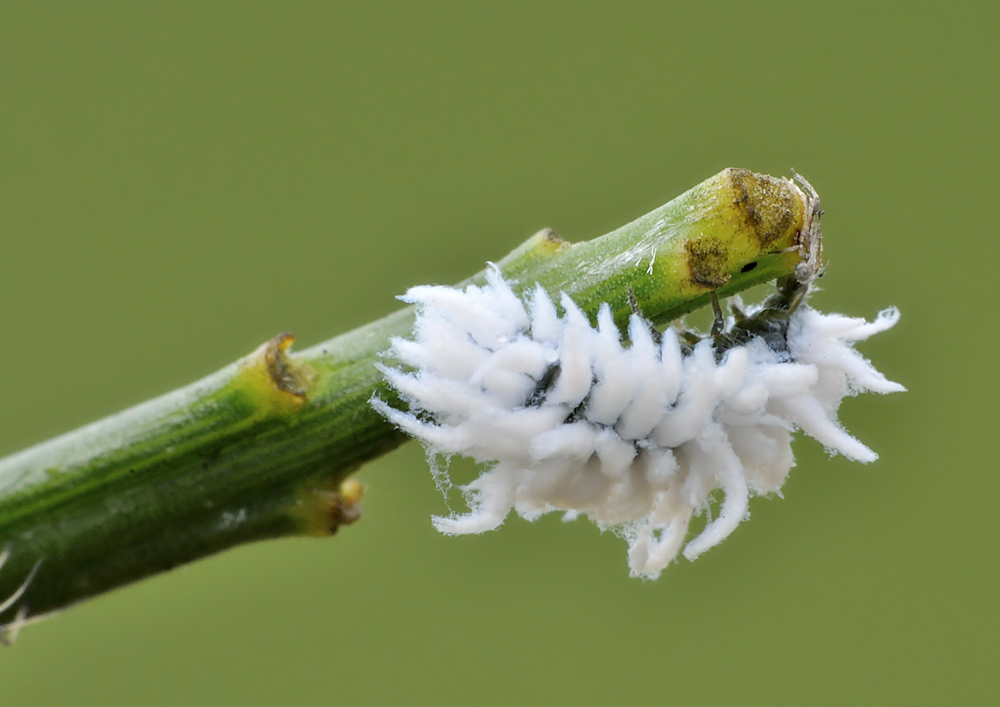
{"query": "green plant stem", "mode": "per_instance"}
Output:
(260, 449)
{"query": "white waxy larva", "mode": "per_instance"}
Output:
(636, 437)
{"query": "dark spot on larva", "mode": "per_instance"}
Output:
(768, 205)
(543, 386)
(749, 266)
(707, 259)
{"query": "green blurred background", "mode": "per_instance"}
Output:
(179, 182)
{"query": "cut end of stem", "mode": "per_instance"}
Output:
(749, 221)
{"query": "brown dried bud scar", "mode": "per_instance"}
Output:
(274, 382)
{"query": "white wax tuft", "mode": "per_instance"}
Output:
(637, 437)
